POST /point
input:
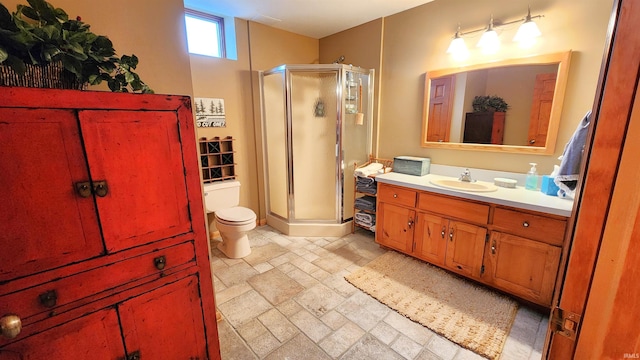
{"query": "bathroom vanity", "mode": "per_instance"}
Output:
(509, 239)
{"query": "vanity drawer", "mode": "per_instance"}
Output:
(536, 227)
(49, 297)
(396, 195)
(460, 209)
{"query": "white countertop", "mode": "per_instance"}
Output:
(517, 198)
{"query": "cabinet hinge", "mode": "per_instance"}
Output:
(565, 322)
(486, 238)
(481, 269)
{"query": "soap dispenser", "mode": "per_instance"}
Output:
(532, 178)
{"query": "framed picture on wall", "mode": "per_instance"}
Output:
(210, 112)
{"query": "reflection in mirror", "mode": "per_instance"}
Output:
(533, 88)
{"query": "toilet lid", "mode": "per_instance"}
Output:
(236, 214)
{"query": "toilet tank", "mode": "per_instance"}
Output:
(221, 195)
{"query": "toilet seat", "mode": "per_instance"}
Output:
(237, 215)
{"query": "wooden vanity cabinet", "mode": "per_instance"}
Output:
(104, 244)
(462, 227)
(433, 237)
(396, 217)
(523, 267)
(524, 253)
(433, 232)
(513, 250)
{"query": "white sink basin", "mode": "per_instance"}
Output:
(456, 184)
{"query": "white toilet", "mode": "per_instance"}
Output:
(231, 220)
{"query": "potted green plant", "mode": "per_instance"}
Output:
(491, 103)
(40, 36)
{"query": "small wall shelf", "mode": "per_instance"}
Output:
(216, 159)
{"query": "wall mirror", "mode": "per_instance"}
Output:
(533, 88)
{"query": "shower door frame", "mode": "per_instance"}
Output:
(285, 71)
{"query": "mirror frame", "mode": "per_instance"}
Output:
(562, 59)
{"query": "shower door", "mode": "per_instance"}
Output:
(311, 140)
(314, 145)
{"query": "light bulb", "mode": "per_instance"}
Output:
(458, 49)
(527, 34)
(489, 42)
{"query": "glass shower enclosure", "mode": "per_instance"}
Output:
(316, 123)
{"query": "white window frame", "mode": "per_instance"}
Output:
(219, 21)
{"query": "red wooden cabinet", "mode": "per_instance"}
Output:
(104, 252)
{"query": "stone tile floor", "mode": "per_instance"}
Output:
(288, 300)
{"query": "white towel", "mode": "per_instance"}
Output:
(365, 219)
(370, 169)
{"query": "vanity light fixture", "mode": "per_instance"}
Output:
(489, 42)
(527, 32)
(458, 48)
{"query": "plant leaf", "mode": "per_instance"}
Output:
(16, 64)
(61, 14)
(6, 22)
(50, 52)
(44, 11)
(128, 77)
(28, 12)
(72, 64)
(4, 55)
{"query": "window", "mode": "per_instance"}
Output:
(205, 33)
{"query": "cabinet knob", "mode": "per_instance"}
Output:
(10, 326)
(444, 230)
(160, 262)
(532, 141)
(451, 234)
(493, 247)
(83, 189)
(48, 299)
(410, 223)
(525, 224)
(395, 196)
(100, 188)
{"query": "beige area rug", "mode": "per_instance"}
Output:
(470, 315)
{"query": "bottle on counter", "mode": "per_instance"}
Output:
(531, 182)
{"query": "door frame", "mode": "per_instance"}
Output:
(611, 115)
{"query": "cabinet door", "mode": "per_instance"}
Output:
(431, 238)
(524, 267)
(166, 323)
(95, 336)
(139, 155)
(465, 248)
(45, 222)
(395, 227)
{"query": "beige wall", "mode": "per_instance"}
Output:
(361, 46)
(231, 80)
(155, 34)
(415, 42)
(401, 48)
(259, 48)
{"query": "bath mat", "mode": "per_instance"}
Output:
(470, 315)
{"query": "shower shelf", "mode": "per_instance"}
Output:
(386, 163)
(216, 159)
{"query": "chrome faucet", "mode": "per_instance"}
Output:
(466, 176)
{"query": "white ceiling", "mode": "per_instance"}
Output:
(313, 18)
